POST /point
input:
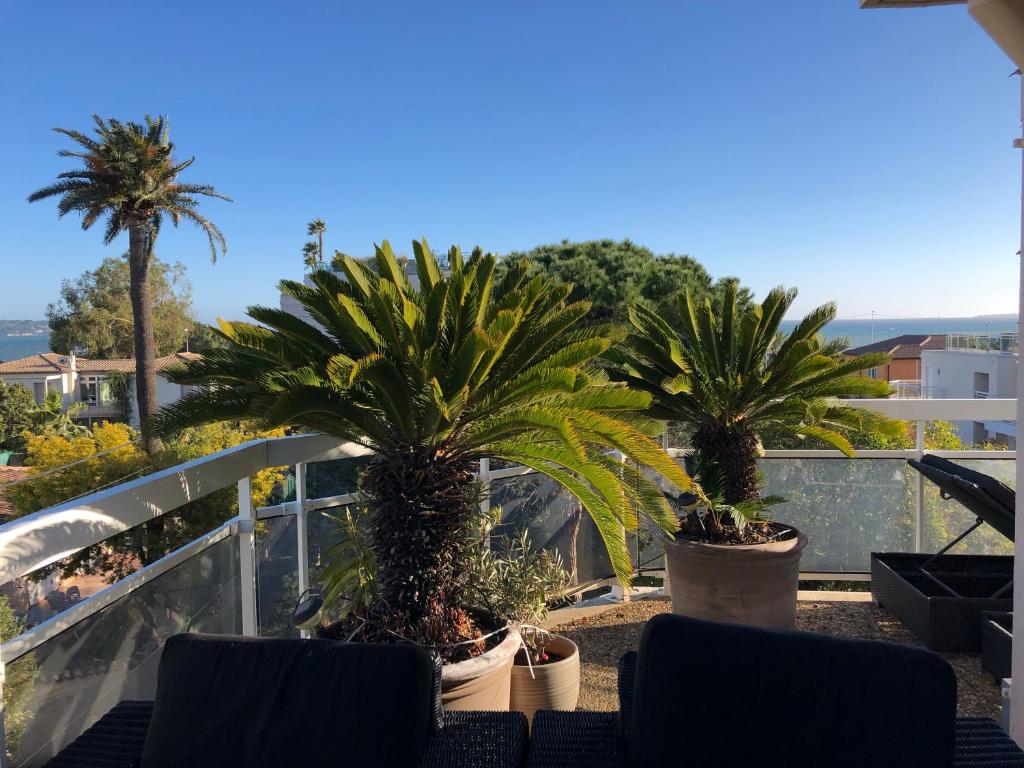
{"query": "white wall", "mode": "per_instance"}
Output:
(952, 374)
(166, 393)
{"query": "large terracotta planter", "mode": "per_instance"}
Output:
(552, 686)
(483, 682)
(740, 584)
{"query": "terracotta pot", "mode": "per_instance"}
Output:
(739, 584)
(483, 682)
(552, 686)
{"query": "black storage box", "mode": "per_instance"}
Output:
(940, 620)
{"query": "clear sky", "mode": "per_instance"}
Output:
(863, 156)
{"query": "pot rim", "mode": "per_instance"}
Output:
(574, 655)
(488, 661)
(785, 546)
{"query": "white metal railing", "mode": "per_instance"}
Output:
(45, 537)
(1005, 343)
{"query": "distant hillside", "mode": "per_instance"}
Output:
(23, 327)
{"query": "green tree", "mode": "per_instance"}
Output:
(17, 404)
(130, 177)
(309, 255)
(433, 379)
(94, 315)
(316, 228)
(733, 374)
(613, 275)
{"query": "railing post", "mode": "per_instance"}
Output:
(485, 485)
(618, 589)
(247, 557)
(3, 730)
(301, 532)
(920, 427)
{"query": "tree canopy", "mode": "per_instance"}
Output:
(612, 275)
(17, 404)
(93, 317)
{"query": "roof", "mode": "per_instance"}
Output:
(52, 363)
(909, 345)
(9, 475)
(47, 362)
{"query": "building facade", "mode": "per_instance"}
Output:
(87, 381)
(977, 366)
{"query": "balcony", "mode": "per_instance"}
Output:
(1001, 343)
(904, 388)
(244, 576)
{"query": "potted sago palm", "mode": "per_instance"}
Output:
(728, 378)
(433, 378)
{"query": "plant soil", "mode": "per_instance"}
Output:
(373, 627)
(753, 533)
(550, 658)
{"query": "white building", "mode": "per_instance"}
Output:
(976, 366)
(83, 380)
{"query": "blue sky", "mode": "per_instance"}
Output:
(863, 156)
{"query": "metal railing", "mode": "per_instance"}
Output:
(1005, 343)
(48, 536)
(903, 388)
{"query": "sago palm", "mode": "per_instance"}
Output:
(433, 379)
(730, 376)
(129, 177)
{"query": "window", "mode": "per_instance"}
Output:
(95, 390)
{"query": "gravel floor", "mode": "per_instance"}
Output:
(603, 638)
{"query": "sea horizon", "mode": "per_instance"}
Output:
(858, 332)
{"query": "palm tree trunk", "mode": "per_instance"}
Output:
(736, 452)
(421, 506)
(321, 247)
(142, 317)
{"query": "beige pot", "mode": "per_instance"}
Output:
(552, 686)
(482, 683)
(740, 584)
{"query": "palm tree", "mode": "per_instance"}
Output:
(309, 255)
(433, 379)
(316, 228)
(130, 178)
(733, 376)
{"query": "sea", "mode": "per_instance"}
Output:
(861, 332)
(13, 347)
(857, 332)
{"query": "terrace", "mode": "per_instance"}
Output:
(95, 664)
(245, 576)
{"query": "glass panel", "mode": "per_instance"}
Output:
(277, 578)
(70, 681)
(333, 478)
(554, 520)
(944, 520)
(847, 508)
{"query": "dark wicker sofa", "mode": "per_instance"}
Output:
(701, 694)
(245, 702)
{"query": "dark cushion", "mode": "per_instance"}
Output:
(724, 695)
(224, 701)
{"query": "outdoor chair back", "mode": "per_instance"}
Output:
(725, 695)
(243, 701)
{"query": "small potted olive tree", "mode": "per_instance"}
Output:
(511, 579)
(727, 378)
